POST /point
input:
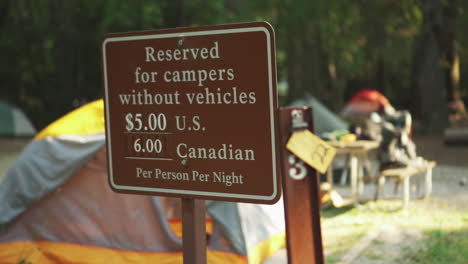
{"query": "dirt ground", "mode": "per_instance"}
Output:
(9, 149)
(451, 174)
(12, 145)
(432, 147)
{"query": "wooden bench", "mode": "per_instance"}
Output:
(404, 174)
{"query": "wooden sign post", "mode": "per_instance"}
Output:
(301, 194)
(192, 113)
(193, 231)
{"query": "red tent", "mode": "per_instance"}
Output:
(365, 102)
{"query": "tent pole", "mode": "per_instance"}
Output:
(193, 231)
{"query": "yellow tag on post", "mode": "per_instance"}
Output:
(311, 149)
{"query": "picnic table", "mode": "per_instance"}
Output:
(357, 152)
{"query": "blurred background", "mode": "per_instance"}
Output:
(412, 51)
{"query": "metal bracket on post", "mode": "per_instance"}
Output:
(297, 120)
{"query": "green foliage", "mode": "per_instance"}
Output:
(24, 261)
(443, 247)
(51, 49)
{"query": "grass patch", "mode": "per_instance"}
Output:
(443, 247)
(444, 229)
(374, 256)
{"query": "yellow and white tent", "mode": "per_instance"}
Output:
(56, 207)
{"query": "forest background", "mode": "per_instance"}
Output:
(413, 51)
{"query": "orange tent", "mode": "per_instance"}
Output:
(57, 207)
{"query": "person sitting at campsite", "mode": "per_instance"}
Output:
(396, 147)
(364, 111)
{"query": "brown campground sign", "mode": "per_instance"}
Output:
(191, 112)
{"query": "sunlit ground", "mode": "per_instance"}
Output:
(430, 231)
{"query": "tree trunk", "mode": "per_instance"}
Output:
(174, 15)
(4, 7)
(307, 63)
(380, 81)
(429, 74)
(451, 63)
(294, 72)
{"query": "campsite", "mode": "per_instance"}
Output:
(233, 132)
(387, 234)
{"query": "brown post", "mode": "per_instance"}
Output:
(193, 231)
(301, 196)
